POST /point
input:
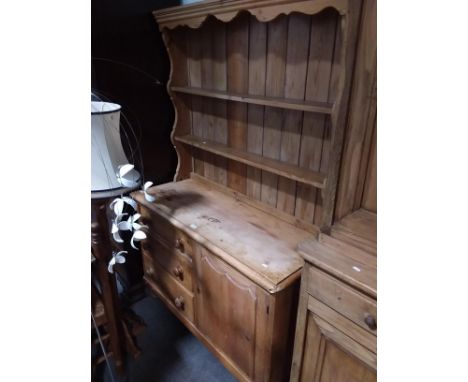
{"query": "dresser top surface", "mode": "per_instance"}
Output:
(350, 253)
(256, 243)
(358, 229)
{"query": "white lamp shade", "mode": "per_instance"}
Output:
(107, 153)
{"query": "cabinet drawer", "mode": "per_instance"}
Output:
(161, 229)
(172, 260)
(160, 280)
(346, 326)
(349, 302)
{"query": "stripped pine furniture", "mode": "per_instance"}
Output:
(261, 92)
(336, 332)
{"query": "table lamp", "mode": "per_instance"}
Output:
(112, 177)
(111, 173)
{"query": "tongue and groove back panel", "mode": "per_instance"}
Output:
(292, 58)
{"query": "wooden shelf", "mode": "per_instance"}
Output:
(313, 107)
(299, 174)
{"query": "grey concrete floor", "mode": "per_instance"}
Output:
(170, 353)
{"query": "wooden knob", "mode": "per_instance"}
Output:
(370, 322)
(150, 271)
(179, 302)
(179, 244)
(178, 272)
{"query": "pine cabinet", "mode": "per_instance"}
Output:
(336, 332)
(223, 269)
(260, 90)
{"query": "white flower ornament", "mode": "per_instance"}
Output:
(137, 236)
(130, 224)
(117, 258)
(150, 198)
(117, 205)
(115, 228)
(125, 174)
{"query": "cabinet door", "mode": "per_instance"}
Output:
(331, 356)
(226, 306)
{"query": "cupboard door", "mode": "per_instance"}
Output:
(331, 356)
(226, 308)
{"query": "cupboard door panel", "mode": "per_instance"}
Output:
(331, 356)
(226, 310)
(338, 366)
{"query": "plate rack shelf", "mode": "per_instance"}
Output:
(260, 90)
(274, 166)
(291, 104)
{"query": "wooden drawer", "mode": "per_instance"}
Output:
(346, 326)
(349, 302)
(161, 229)
(163, 283)
(172, 260)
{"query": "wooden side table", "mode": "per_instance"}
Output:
(120, 326)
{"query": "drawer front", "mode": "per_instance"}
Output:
(180, 298)
(172, 260)
(343, 324)
(161, 229)
(349, 302)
